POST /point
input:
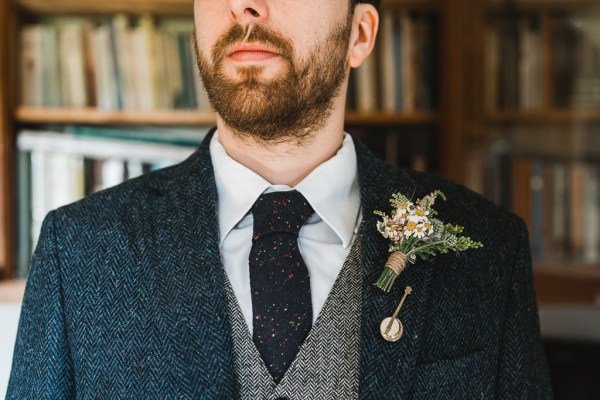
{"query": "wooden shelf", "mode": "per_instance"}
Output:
(576, 284)
(544, 116)
(161, 7)
(40, 115)
(63, 7)
(94, 116)
(541, 5)
(410, 3)
(380, 118)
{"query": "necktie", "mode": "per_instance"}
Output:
(279, 279)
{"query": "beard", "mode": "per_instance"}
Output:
(289, 106)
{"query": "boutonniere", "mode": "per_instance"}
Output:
(415, 233)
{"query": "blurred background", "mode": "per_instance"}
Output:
(501, 96)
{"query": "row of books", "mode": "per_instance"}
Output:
(144, 64)
(576, 61)
(401, 73)
(559, 200)
(514, 64)
(59, 167)
(116, 63)
(516, 49)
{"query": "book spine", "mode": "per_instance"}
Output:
(408, 62)
(576, 207)
(52, 94)
(386, 63)
(32, 66)
(591, 213)
(537, 208)
(71, 55)
(366, 84)
(560, 220)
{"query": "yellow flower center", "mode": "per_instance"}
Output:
(420, 212)
(411, 226)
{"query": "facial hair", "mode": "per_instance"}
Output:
(292, 105)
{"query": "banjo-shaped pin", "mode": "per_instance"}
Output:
(391, 328)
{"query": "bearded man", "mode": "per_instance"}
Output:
(247, 271)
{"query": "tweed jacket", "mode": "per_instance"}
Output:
(125, 298)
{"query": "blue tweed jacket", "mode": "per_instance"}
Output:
(125, 298)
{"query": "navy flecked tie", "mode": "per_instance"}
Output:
(279, 279)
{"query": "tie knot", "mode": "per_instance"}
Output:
(280, 212)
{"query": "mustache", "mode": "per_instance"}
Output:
(251, 34)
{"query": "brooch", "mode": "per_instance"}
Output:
(415, 232)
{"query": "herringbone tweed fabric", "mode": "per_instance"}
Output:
(326, 367)
(126, 298)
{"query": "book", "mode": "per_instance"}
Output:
(32, 66)
(24, 214)
(72, 58)
(112, 173)
(521, 190)
(125, 59)
(387, 63)
(144, 37)
(89, 62)
(530, 66)
(560, 196)
(51, 88)
(56, 180)
(366, 86)
(576, 213)
(548, 201)
(537, 207)
(427, 72)
(105, 72)
(398, 59)
(591, 214)
(408, 62)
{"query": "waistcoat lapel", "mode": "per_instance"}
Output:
(387, 368)
(202, 341)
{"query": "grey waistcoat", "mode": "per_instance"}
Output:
(326, 367)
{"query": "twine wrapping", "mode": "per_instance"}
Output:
(397, 262)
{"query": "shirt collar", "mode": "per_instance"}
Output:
(331, 189)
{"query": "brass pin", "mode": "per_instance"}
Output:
(391, 328)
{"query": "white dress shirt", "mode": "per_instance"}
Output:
(325, 239)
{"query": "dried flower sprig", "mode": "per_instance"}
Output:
(416, 233)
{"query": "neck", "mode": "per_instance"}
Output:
(290, 162)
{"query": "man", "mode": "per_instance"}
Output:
(247, 271)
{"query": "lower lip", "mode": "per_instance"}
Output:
(252, 55)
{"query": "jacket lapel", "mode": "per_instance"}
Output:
(387, 368)
(201, 339)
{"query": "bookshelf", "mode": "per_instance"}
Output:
(536, 116)
(380, 128)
